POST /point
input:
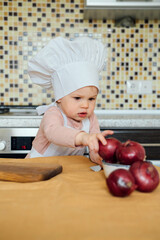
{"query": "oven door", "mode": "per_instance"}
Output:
(16, 142)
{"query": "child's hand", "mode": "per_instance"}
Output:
(91, 139)
(94, 157)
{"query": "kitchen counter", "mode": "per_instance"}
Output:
(129, 119)
(108, 119)
(75, 204)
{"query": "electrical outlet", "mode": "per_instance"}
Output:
(132, 87)
(139, 87)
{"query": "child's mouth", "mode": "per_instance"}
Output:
(82, 114)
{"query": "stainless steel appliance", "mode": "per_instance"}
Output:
(116, 9)
(16, 141)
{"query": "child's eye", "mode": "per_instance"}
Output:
(77, 98)
(91, 99)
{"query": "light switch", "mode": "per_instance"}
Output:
(139, 87)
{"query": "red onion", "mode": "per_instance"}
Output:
(129, 152)
(146, 176)
(121, 183)
(108, 151)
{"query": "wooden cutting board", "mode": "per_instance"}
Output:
(28, 172)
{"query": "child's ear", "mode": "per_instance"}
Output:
(59, 100)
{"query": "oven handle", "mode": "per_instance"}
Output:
(150, 144)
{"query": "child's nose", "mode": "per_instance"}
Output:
(85, 104)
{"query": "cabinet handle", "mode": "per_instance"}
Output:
(150, 144)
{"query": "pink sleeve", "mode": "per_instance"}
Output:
(94, 124)
(55, 132)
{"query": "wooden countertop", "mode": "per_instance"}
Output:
(75, 204)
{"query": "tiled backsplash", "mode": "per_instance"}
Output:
(26, 26)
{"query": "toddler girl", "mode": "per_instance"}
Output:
(69, 125)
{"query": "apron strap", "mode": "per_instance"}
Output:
(42, 109)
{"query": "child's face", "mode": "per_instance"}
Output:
(79, 104)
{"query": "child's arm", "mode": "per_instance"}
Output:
(91, 139)
(52, 130)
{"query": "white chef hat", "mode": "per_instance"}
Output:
(67, 65)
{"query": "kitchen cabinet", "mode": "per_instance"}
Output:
(148, 137)
(115, 9)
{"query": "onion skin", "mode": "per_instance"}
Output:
(130, 152)
(121, 183)
(146, 176)
(108, 151)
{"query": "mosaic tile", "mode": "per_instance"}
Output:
(133, 53)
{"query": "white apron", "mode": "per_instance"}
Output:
(55, 150)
